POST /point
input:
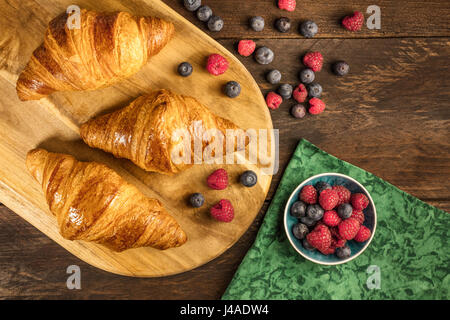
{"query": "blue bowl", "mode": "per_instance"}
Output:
(357, 248)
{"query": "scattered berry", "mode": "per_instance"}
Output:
(322, 185)
(320, 238)
(343, 193)
(314, 61)
(232, 89)
(204, 13)
(328, 251)
(315, 212)
(315, 90)
(273, 100)
(341, 68)
(353, 22)
(217, 64)
(288, 5)
(223, 211)
(358, 215)
(248, 178)
(331, 218)
(285, 91)
(274, 77)
(328, 199)
(192, 5)
(345, 211)
(298, 209)
(257, 23)
(197, 200)
(215, 23)
(300, 93)
(246, 47)
(298, 111)
(337, 243)
(300, 231)
(363, 234)
(348, 228)
(309, 29)
(264, 55)
(316, 106)
(359, 201)
(307, 76)
(307, 245)
(185, 69)
(344, 252)
(308, 194)
(283, 24)
(308, 221)
(218, 180)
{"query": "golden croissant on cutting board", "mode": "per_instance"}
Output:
(149, 131)
(92, 202)
(107, 48)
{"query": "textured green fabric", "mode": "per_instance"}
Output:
(410, 246)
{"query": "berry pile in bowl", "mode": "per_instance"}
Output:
(330, 219)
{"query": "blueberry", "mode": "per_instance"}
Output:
(232, 89)
(341, 68)
(308, 221)
(204, 13)
(192, 5)
(298, 111)
(345, 211)
(321, 185)
(315, 90)
(185, 69)
(300, 231)
(285, 91)
(257, 23)
(307, 76)
(215, 23)
(264, 55)
(274, 77)
(298, 209)
(283, 24)
(344, 252)
(314, 212)
(196, 200)
(249, 178)
(309, 29)
(307, 246)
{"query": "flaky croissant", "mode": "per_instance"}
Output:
(91, 202)
(143, 131)
(107, 48)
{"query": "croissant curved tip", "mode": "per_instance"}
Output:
(34, 162)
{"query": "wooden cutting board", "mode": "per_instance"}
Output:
(53, 123)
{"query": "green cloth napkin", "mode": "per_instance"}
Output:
(410, 247)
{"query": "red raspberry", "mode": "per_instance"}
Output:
(328, 199)
(363, 234)
(320, 237)
(316, 106)
(217, 64)
(358, 215)
(300, 93)
(218, 180)
(273, 100)
(328, 251)
(348, 228)
(353, 22)
(288, 5)
(337, 243)
(308, 194)
(246, 47)
(313, 60)
(223, 211)
(331, 218)
(359, 201)
(343, 193)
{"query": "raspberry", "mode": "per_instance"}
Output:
(288, 5)
(328, 251)
(343, 193)
(313, 60)
(308, 194)
(223, 211)
(331, 218)
(358, 215)
(273, 100)
(359, 201)
(246, 47)
(300, 93)
(320, 237)
(328, 199)
(353, 22)
(217, 64)
(348, 228)
(363, 234)
(218, 180)
(337, 243)
(316, 106)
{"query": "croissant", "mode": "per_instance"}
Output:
(107, 48)
(143, 131)
(91, 202)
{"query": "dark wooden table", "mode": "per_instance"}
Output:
(390, 116)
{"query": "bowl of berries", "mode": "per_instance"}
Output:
(330, 219)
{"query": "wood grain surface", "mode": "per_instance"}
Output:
(390, 116)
